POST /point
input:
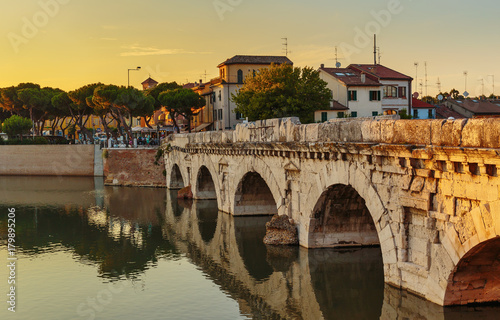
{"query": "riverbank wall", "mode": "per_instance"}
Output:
(133, 167)
(51, 160)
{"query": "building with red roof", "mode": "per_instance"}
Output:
(423, 110)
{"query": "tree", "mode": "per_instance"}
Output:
(9, 100)
(80, 110)
(155, 92)
(454, 94)
(430, 100)
(121, 103)
(184, 102)
(16, 125)
(39, 103)
(282, 91)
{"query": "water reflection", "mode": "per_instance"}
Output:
(125, 232)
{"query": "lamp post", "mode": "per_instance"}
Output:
(128, 79)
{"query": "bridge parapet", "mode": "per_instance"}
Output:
(430, 187)
(469, 133)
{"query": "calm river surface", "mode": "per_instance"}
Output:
(86, 251)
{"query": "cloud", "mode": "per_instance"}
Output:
(136, 51)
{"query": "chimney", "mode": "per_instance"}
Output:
(363, 77)
(322, 66)
(200, 82)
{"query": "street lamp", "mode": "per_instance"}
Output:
(128, 81)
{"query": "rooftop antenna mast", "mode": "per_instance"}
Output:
(416, 74)
(425, 65)
(379, 55)
(374, 49)
(421, 87)
(439, 85)
(493, 86)
(286, 46)
(482, 86)
(465, 75)
(337, 63)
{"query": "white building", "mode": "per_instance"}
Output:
(396, 87)
(365, 91)
(353, 94)
(232, 73)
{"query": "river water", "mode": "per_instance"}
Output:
(86, 251)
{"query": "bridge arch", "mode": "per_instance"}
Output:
(476, 257)
(256, 191)
(342, 176)
(175, 179)
(205, 185)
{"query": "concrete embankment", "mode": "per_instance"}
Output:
(51, 160)
(133, 167)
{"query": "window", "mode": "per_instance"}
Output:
(340, 114)
(415, 113)
(240, 76)
(213, 97)
(352, 95)
(374, 113)
(324, 116)
(220, 95)
(374, 95)
(402, 92)
(390, 92)
(220, 114)
(430, 114)
(215, 115)
(354, 114)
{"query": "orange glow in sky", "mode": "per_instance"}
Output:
(70, 43)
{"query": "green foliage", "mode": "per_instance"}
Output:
(282, 91)
(158, 155)
(184, 102)
(40, 140)
(105, 154)
(404, 115)
(162, 87)
(16, 125)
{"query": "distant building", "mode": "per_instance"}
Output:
(149, 83)
(473, 108)
(366, 90)
(232, 73)
(423, 110)
(396, 87)
(353, 94)
(443, 112)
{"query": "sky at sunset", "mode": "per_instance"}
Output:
(70, 43)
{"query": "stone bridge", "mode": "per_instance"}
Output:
(426, 191)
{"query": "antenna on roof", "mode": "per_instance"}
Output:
(465, 75)
(204, 75)
(439, 85)
(379, 54)
(374, 49)
(416, 75)
(425, 65)
(482, 86)
(493, 76)
(337, 63)
(286, 46)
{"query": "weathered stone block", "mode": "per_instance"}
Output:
(371, 131)
(447, 132)
(412, 132)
